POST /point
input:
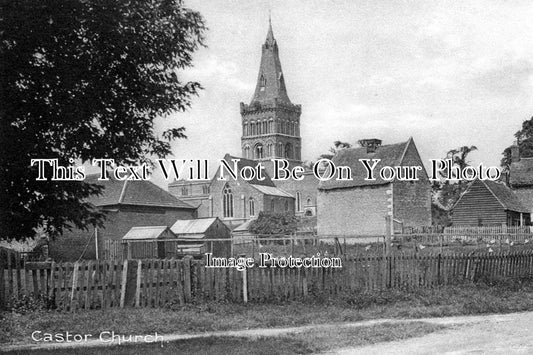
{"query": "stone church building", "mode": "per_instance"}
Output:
(270, 129)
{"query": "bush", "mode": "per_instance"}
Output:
(30, 303)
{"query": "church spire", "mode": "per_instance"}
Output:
(270, 82)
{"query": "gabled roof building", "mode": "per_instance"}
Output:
(489, 203)
(358, 207)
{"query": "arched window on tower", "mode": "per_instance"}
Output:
(247, 152)
(269, 149)
(258, 151)
(245, 129)
(288, 151)
(227, 201)
(265, 127)
(280, 150)
(251, 207)
(298, 202)
(271, 126)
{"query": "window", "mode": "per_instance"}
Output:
(298, 202)
(245, 129)
(227, 201)
(288, 151)
(280, 150)
(251, 207)
(184, 191)
(205, 189)
(271, 126)
(262, 82)
(259, 151)
(272, 205)
(286, 206)
(309, 201)
(269, 149)
(247, 152)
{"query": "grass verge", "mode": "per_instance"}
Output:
(500, 297)
(311, 341)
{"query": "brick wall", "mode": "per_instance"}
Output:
(412, 199)
(353, 211)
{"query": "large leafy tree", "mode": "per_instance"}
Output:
(84, 79)
(524, 138)
(445, 192)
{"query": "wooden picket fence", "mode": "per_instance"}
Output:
(102, 284)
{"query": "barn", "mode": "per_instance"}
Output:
(191, 233)
(489, 203)
(521, 177)
(126, 204)
(358, 207)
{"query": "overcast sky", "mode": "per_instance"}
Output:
(447, 73)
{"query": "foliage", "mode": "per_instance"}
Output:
(446, 193)
(337, 146)
(278, 223)
(524, 138)
(31, 303)
(83, 80)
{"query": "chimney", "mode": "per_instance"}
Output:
(370, 144)
(515, 152)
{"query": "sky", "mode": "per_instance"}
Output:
(447, 73)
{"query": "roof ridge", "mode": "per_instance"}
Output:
(123, 192)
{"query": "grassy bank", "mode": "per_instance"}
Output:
(501, 297)
(308, 342)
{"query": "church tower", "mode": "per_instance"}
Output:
(271, 123)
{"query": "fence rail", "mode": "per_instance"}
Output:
(101, 284)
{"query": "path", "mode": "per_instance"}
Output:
(477, 334)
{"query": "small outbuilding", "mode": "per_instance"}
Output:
(486, 203)
(191, 234)
(146, 242)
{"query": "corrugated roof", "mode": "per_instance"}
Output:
(505, 196)
(192, 226)
(271, 191)
(521, 173)
(148, 232)
(140, 193)
(390, 155)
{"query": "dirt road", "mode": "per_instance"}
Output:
(492, 334)
(488, 334)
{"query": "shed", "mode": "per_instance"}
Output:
(486, 203)
(191, 233)
(146, 242)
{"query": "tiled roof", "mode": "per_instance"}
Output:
(390, 155)
(521, 173)
(248, 162)
(139, 193)
(505, 196)
(270, 83)
(152, 232)
(271, 191)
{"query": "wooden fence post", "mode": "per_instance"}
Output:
(123, 283)
(138, 285)
(245, 285)
(187, 278)
(74, 283)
